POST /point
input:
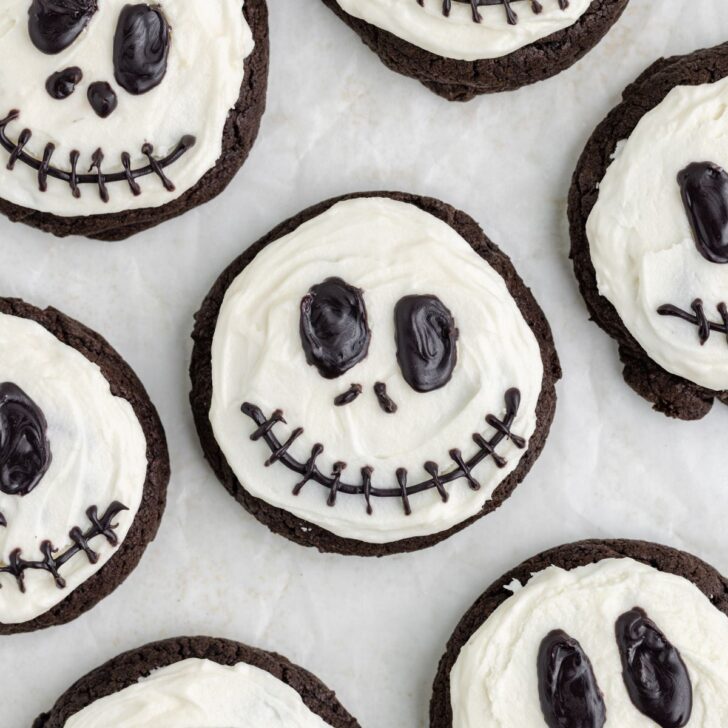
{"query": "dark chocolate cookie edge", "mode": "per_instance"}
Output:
(308, 534)
(124, 383)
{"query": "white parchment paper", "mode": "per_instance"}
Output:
(338, 121)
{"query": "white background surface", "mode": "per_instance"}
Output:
(338, 121)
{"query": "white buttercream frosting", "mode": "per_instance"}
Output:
(494, 680)
(209, 42)
(457, 36)
(640, 239)
(197, 693)
(99, 456)
(389, 249)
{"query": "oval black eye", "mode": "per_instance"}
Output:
(25, 454)
(704, 189)
(426, 342)
(141, 45)
(334, 330)
(54, 24)
(654, 673)
(567, 687)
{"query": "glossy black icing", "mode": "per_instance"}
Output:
(511, 15)
(25, 453)
(387, 404)
(62, 84)
(567, 687)
(53, 25)
(704, 189)
(426, 338)
(103, 98)
(349, 396)
(141, 46)
(654, 673)
(334, 331)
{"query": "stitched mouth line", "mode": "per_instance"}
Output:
(100, 526)
(511, 15)
(95, 174)
(699, 318)
(334, 483)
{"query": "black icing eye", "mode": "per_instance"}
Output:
(141, 45)
(704, 189)
(654, 673)
(54, 24)
(426, 342)
(333, 325)
(25, 454)
(567, 688)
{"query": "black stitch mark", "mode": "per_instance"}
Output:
(100, 526)
(45, 169)
(699, 318)
(310, 471)
(511, 15)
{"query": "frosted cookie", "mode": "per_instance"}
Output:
(83, 468)
(462, 48)
(198, 682)
(649, 228)
(615, 633)
(372, 376)
(117, 116)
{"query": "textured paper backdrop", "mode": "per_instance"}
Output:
(338, 121)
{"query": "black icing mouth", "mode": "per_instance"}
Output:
(699, 318)
(536, 7)
(100, 526)
(95, 176)
(334, 483)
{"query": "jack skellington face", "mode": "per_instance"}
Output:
(113, 105)
(372, 374)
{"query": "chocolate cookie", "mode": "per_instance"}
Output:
(372, 376)
(462, 48)
(582, 628)
(648, 212)
(108, 154)
(223, 683)
(83, 468)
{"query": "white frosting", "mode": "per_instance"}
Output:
(201, 694)
(457, 36)
(209, 41)
(494, 680)
(640, 239)
(389, 249)
(99, 455)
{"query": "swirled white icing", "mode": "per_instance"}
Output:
(209, 43)
(389, 249)
(99, 456)
(494, 680)
(457, 36)
(197, 693)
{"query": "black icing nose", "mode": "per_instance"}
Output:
(102, 98)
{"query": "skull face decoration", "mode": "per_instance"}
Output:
(373, 375)
(73, 466)
(111, 105)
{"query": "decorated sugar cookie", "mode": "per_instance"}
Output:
(462, 48)
(201, 682)
(83, 468)
(591, 635)
(373, 375)
(649, 222)
(115, 116)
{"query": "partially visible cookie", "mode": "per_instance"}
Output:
(200, 681)
(648, 211)
(462, 48)
(83, 468)
(627, 631)
(119, 116)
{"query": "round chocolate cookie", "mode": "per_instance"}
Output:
(462, 48)
(648, 212)
(625, 631)
(83, 468)
(372, 376)
(121, 116)
(201, 681)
